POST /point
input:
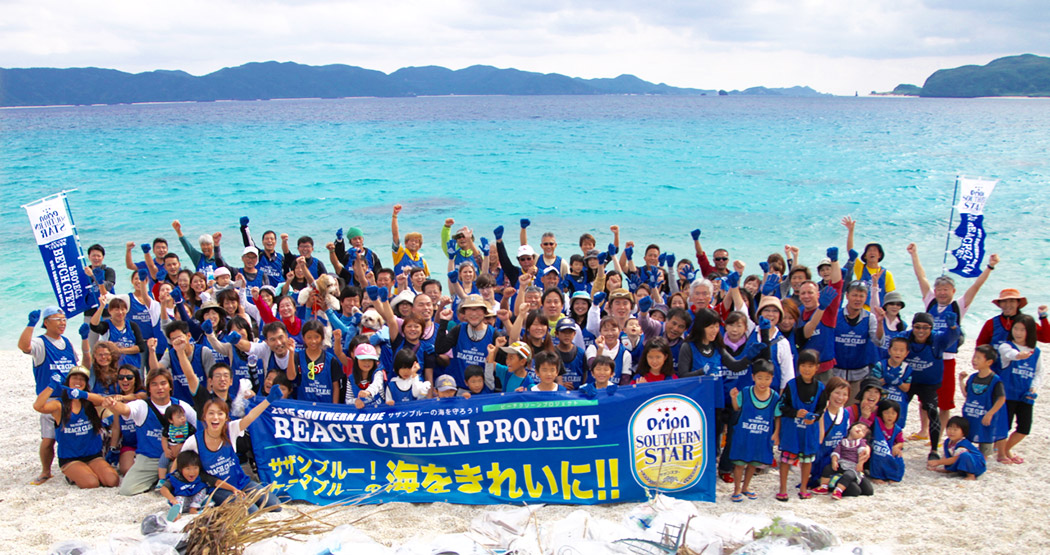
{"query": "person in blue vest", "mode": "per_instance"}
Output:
(939, 300)
(573, 356)
(925, 358)
(252, 274)
(205, 260)
(755, 431)
(100, 274)
(78, 429)
(887, 444)
(468, 341)
(895, 376)
(1010, 302)
(305, 246)
(1022, 377)
(801, 406)
(150, 262)
(148, 416)
(407, 256)
(834, 426)
(271, 262)
(145, 311)
(854, 338)
(547, 246)
(214, 442)
(984, 405)
(891, 325)
(867, 268)
(407, 384)
(317, 370)
(52, 353)
(182, 357)
(124, 334)
(961, 457)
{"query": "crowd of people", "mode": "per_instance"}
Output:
(816, 362)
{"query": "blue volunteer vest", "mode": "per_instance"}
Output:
(398, 395)
(273, 268)
(55, 360)
(618, 369)
(78, 437)
(467, 352)
(139, 313)
(125, 338)
(972, 461)
(854, 348)
(222, 463)
(128, 435)
(833, 433)
(939, 322)
(883, 465)
(315, 378)
(711, 366)
(182, 389)
(894, 377)
(574, 370)
(927, 366)
(976, 406)
(753, 431)
(796, 436)
(354, 390)
(147, 436)
(1017, 378)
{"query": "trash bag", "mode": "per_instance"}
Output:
(154, 524)
(771, 546)
(71, 548)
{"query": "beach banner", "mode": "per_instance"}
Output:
(973, 195)
(529, 447)
(56, 236)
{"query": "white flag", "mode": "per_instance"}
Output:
(973, 194)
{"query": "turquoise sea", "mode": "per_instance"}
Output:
(753, 173)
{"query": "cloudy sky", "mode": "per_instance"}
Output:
(832, 45)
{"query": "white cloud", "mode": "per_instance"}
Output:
(831, 45)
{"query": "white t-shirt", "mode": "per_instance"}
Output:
(36, 348)
(139, 411)
(233, 430)
(938, 309)
(262, 351)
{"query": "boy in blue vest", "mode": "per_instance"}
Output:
(52, 354)
(985, 398)
(756, 430)
(939, 300)
(182, 357)
(800, 407)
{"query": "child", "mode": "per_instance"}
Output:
(446, 387)
(985, 397)
(887, 443)
(176, 431)
(366, 381)
(601, 372)
(656, 364)
(185, 490)
(960, 456)
(755, 431)
(572, 357)
(633, 340)
(548, 368)
(316, 369)
(847, 462)
(608, 344)
(800, 406)
(406, 385)
(1021, 375)
(515, 375)
(474, 375)
(895, 375)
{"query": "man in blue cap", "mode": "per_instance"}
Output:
(52, 354)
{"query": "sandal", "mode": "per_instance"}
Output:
(820, 490)
(737, 498)
(918, 437)
(1017, 460)
(751, 495)
(782, 497)
(1004, 460)
(39, 480)
(805, 495)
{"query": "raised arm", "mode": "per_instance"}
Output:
(523, 237)
(128, 262)
(394, 231)
(851, 226)
(243, 423)
(920, 273)
(971, 293)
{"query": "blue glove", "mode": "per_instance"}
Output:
(525, 223)
(725, 285)
(145, 248)
(764, 323)
(162, 274)
(1031, 395)
(498, 233)
(951, 319)
(232, 338)
(771, 285)
(84, 330)
(99, 273)
(207, 326)
(339, 234)
(833, 254)
(176, 295)
(275, 394)
(827, 296)
(352, 254)
(661, 259)
(599, 297)
(670, 260)
(56, 382)
(589, 391)
(644, 304)
(143, 274)
(733, 279)
(629, 252)
(765, 266)
(74, 393)
(384, 294)
(696, 234)
(690, 275)
(753, 350)
(611, 389)
(484, 246)
(603, 258)
(372, 291)
(453, 277)
(244, 221)
(853, 254)
(34, 319)
(612, 250)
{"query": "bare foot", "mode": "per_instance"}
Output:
(970, 477)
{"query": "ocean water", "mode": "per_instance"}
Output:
(753, 173)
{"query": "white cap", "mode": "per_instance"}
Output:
(526, 250)
(250, 250)
(221, 271)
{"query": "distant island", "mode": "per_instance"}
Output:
(270, 80)
(1024, 75)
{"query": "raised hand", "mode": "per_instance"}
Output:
(695, 234)
(849, 222)
(833, 254)
(765, 266)
(772, 282)
(397, 209)
(498, 233)
(85, 330)
(733, 280)
(993, 260)
(372, 291)
(177, 227)
(670, 260)
(207, 327)
(644, 304)
(764, 323)
(525, 222)
(145, 248)
(244, 221)
(827, 296)
(446, 314)
(384, 294)
(34, 319)
(449, 222)
(275, 394)
(629, 252)
(453, 276)
(339, 234)
(912, 249)
(739, 266)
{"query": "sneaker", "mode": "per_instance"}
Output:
(820, 490)
(174, 512)
(837, 496)
(726, 477)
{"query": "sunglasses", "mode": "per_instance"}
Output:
(721, 258)
(126, 377)
(547, 244)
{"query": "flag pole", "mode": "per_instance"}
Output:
(948, 237)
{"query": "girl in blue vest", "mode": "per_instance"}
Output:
(214, 442)
(895, 376)
(407, 384)
(317, 371)
(365, 384)
(887, 444)
(78, 429)
(800, 407)
(891, 325)
(118, 330)
(468, 341)
(834, 425)
(755, 431)
(985, 398)
(1022, 376)
(104, 369)
(960, 455)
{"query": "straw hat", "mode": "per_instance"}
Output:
(473, 301)
(769, 300)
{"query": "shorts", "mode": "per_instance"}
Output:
(126, 448)
(1022, 412)
(794, 459)
(927, 394)
(946, 393)
(851, 375)
(47, 427)
(755, 464)
(195, 502)
(86, 459)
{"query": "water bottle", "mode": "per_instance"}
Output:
(253, 363)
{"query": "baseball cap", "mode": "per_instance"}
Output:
(250, 250)
(445, 383)
(366, 351)
(565, 324)
(551, 269)
(518, 348)
(50, 311)
(526, 250)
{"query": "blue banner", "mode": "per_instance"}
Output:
(56, 236)
(529, 447)
(970, 253)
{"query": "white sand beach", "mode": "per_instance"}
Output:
(1002, 512)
